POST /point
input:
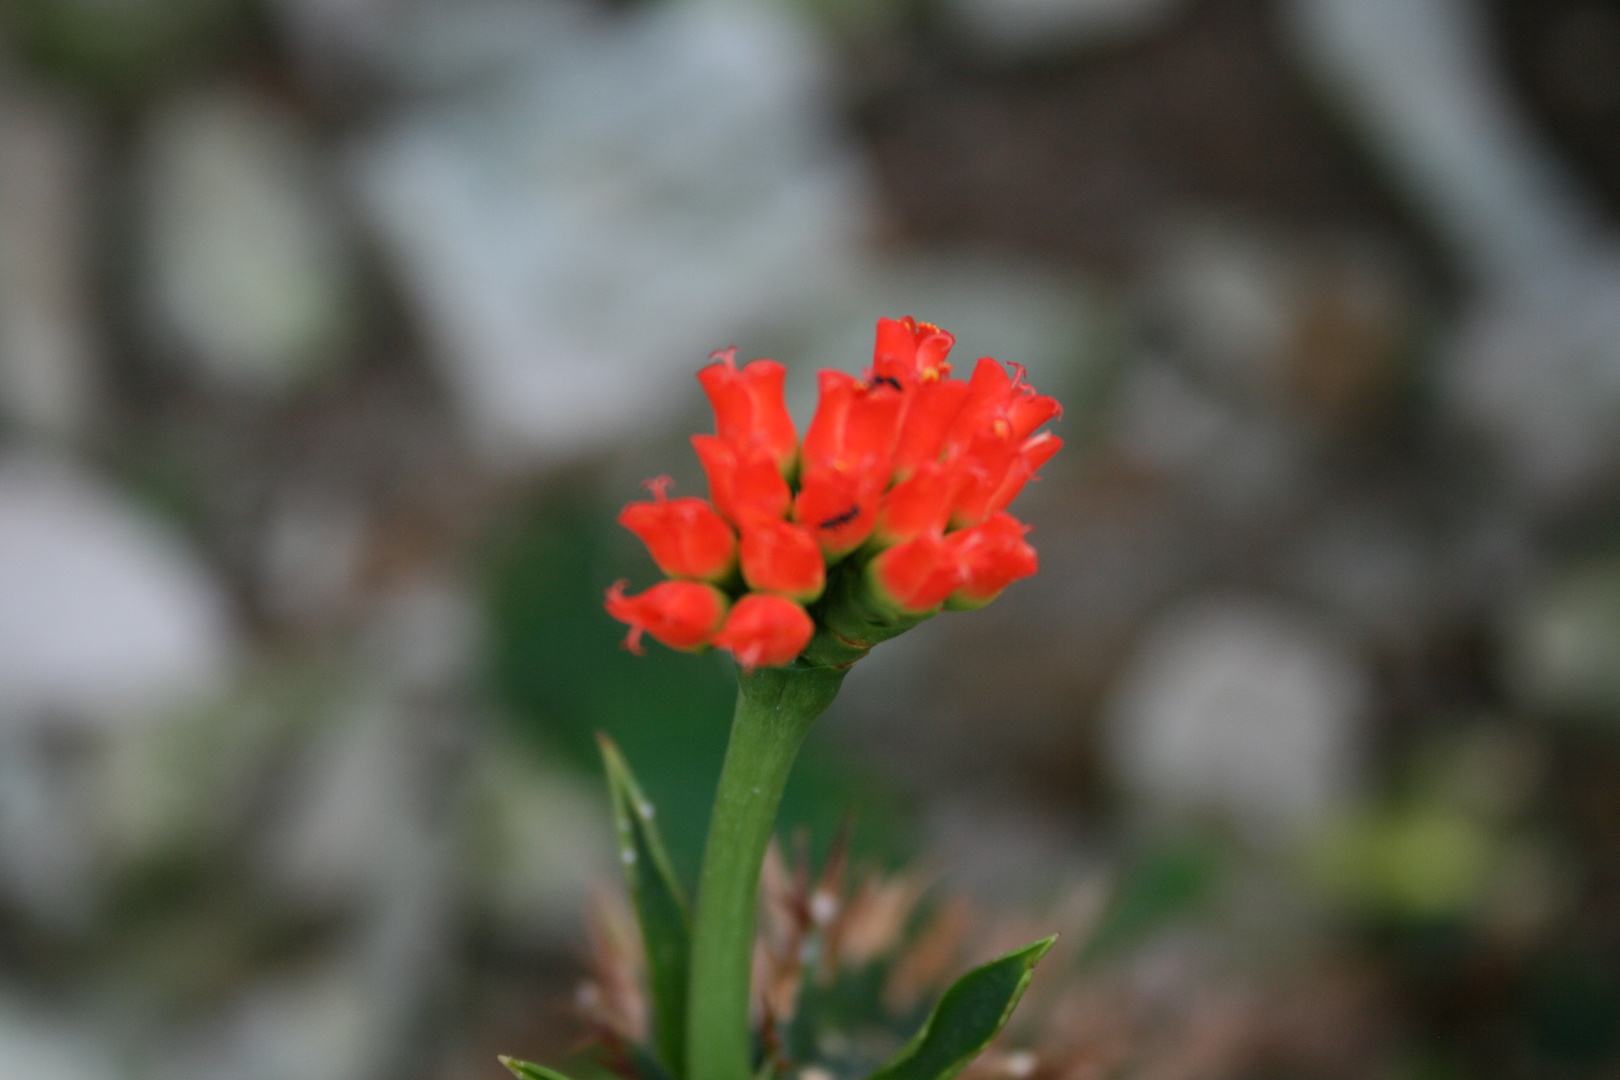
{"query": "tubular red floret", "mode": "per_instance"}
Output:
(780, 557)
(765, 631)
(681, 614)
(685, 537)
(839, 507)
(750, 411)
(915, 577)
(744, 484)
(990, 556)
(917, 505)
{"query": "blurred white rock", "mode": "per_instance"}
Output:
(1304, 323)
(35, 1044)
(1241, 463)
(1420, 79)
(1039, 27)
(107, 627)
(579, 236)
(546, 841)
(1537, 370)
(310, 553)
(47, 350)
(1536, 363)
(1373, 569)
(1562, 643)
(352, 812)
(246, 269)
(318, 1023)
(103, 612)
(1243, 708)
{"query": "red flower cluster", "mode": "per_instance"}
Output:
(893, 506)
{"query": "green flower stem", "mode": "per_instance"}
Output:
(775, 708)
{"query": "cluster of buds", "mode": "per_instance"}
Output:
(892, 508)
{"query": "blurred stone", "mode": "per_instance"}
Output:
(1562, 644)
(311, 553)
(1308, 325)
(1538, 372)
(546, 840)
(313, 1024)
(246, 268)
(344, 47)
(379, 783)
(34, 1044)
(425, 637)
(582, 234)
(1375, 570)
(1419, 77)
(357, 807)
(1039, 27)
(107, 626)
(1241, 463)
(1241, 707)
(103, 614)
(1535, 365)
(46, 346)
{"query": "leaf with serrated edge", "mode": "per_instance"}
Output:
(968, 1016)
(660, 906)
(528, 1070)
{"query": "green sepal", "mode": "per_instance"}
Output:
(857, 613)
(528, 1070)
(660, 907)
(968, 1016)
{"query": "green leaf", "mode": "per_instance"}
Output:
(528, 1070)
(660, 906)
(971, 1013)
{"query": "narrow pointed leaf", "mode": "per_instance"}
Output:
(660, 907)
(968, 1016)
(527, 1070)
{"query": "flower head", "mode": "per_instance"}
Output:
(893, 507)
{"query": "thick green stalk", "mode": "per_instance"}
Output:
(775, 707)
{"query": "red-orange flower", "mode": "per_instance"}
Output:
(839, 507)
(780, 557)
(909, 352)
(918, 505)
(892, 507)
(744, 483)
(989, 557)
(680, 614)
(749, 409)
(765, 631)
(915, 577)
(686, 538)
